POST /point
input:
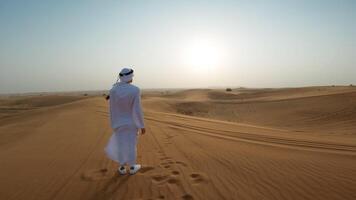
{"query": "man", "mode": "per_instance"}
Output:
(126, 119)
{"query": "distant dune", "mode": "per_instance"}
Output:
(10, 106)
(289, 143)
(327, 109)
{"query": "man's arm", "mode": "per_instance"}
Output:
(137, 113)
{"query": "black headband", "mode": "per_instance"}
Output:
(127, 73)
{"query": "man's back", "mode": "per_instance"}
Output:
(125, 106)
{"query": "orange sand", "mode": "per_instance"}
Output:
(200, 144)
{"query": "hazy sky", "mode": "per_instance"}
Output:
(82, 45)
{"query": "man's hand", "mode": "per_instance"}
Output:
(143, 131)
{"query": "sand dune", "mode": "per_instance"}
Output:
(328, 109)
(10, 106)
(200, 144)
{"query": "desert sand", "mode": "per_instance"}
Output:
(289, 143)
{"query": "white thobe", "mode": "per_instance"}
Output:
(126, 118)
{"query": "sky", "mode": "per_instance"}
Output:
(48, 46)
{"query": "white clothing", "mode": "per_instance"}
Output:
(122, 145)
(126, 78)
(126, 118)
(125, 106)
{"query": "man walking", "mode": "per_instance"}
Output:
(126, 120)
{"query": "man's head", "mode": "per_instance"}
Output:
(126, 75)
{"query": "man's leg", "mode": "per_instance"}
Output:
(123, 149)
(132, 153)
(131, 148)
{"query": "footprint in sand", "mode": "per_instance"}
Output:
(175, 172)
(198, 178)
(159, 178)
(187, 197)
(97, 174)
(164, 178)
(166, 166)
(167, 162)
(181, 163)
(173, 181)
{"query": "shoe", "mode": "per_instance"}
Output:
(134, 168)
(122, 170)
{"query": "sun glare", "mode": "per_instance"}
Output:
(202, 54)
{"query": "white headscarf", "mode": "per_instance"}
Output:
(126, 75)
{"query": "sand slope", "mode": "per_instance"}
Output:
(56, 152)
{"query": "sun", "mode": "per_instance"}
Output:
(202, 54)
